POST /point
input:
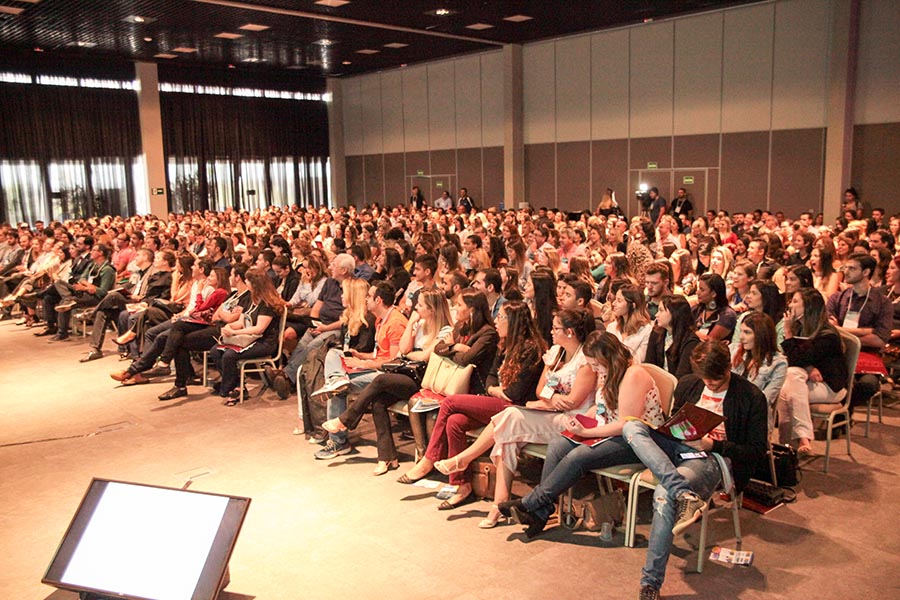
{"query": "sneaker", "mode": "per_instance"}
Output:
(690, 508)
(335, 385)
(66, 305)
(648, 592)
(333, 450)
(317, 438)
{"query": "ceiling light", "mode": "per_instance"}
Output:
(518, 18)
(228, 36)
(148, 39)
(346, 62)
(38, 49)
(324, 42)
(165, 55)
(252, 59)
(443, 12)
(9, 10)
(479, 26)
(332, 3)
(138, 19)
(396, 45)
(184, 50)
(368, 51)
(253, 27)
(82, 44)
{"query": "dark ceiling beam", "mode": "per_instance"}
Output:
(334, 19)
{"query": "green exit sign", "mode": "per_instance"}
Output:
(687, 180)
(652, 165)
(438, 184)
(420, 172)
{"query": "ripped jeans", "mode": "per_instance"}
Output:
(676, 477)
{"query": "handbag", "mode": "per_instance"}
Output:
(446, 377)
(414, 369)
(484, 478)
(240, 340)
(787, 467)
(606, 508)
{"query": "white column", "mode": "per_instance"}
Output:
(841, 97)
(338, 182)
(513, 127)
(152, 137)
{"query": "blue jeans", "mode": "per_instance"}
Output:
(676, 477)
(566, 462)
(337, 404)
(307, 344)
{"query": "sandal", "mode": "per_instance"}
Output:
(231, 402)
(490, 523)
(447, 505)
(444, 466)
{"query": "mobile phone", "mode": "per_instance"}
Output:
(348, 354)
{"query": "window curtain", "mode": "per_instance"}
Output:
(65, 151)
(271, 147)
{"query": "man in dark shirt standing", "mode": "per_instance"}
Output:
(658, 206)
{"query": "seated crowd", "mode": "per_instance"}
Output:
(553, 316)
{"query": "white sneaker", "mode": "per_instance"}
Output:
(335, 385)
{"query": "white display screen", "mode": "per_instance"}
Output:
(142, 541)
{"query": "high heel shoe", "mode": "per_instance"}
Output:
(447, 467)
(384, 466)
(490, 523)
(534, 525)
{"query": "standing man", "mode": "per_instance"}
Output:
(682, 205)
(444, 202)
(416, 199)
(464, 203)
(658, 206)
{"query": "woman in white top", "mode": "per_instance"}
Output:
(632, 324)
(625, 390)
(566, 388)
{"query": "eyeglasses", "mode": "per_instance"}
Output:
(555, 328)
(501, 317)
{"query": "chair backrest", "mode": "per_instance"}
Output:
(851, 355)
(665, 383)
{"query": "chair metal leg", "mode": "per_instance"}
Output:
(241, 385)
(634, 490)
(704, 525)
(830, 424)
(204, 356)
(737, 500)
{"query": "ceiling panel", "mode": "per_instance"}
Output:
(356, 37)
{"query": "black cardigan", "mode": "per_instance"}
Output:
(678, 360)
(746, 423)
(824, 352)
(524, 388)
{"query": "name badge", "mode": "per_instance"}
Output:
(549, 388)
(851, 319)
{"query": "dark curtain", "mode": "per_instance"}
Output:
(201, 133)
(78, 128)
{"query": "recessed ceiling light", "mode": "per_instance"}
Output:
(518, 18)
(332, 3)
(165, 55)
(82, 44)
(346, 62)
(325, 42)
(38, 49)
(368, 51)
(184, 50)
(479, 26)
(148, 39)
(138, 19)
(252, 59)
(396, 45)
(228, 36)
(9, 10)
(253, 27)
(443, 12)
